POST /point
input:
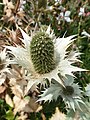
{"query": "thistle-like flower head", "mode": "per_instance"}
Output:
(70, 93)
(45, 56)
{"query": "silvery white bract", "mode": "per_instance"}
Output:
(45, 56)
(71, 93)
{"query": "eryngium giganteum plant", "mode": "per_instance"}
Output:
(70, 93)
(45, 56)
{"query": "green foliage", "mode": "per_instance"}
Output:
(84, 47)
(9, 115)
(3, 109)
(35, 116)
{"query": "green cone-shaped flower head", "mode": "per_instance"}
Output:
(42, 53)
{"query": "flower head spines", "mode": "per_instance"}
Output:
(42, 53)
